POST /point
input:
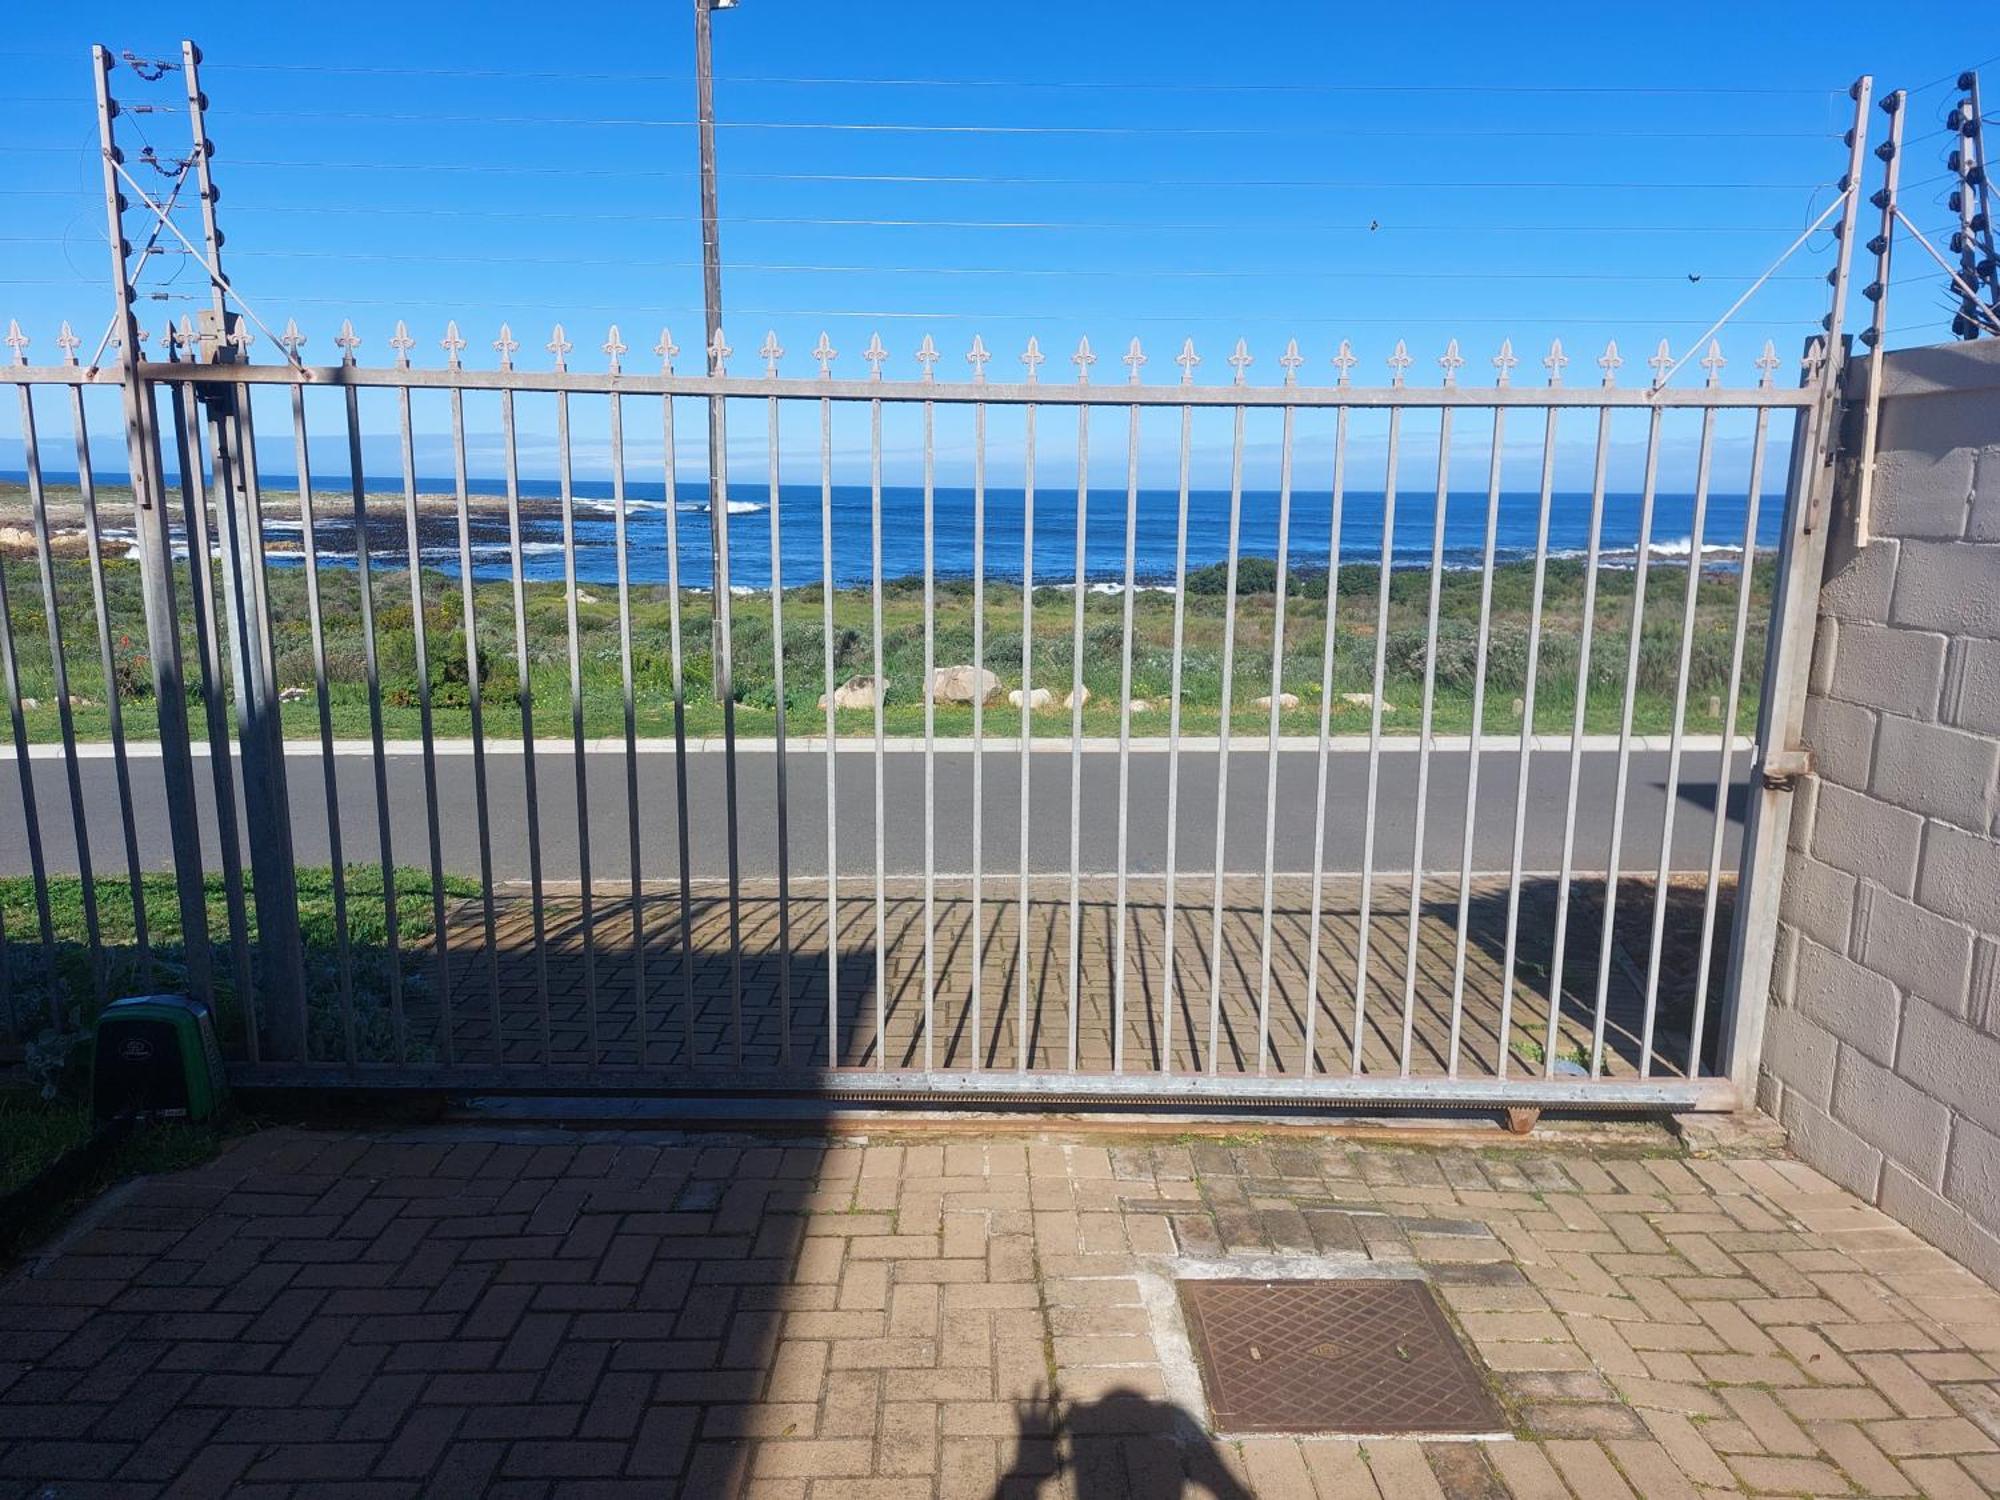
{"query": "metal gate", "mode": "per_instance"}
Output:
(1247, 875)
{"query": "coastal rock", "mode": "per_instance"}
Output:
(1364, 700)
(962, 684)
(291, 695)
(19, 541)
(1285, 700)
(1038, 698)
(1139, 706)
(584, 596)
(1076, 699)
(858, 692)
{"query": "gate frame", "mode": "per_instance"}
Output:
(221, 380)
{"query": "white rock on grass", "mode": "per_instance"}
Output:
(857, 692)
(1071, 700)
(1285, 700)
(1038, 698)
(962, 684)
(1365, 700)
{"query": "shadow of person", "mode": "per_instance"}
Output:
(1124, 1445)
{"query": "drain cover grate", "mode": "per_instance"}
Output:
(1361, 1358)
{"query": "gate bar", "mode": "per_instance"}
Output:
(113, 707)
(315, 622)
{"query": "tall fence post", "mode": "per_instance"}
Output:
(155, 544)
(280, 978)
(1778, 764)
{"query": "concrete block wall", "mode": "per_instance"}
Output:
(1883, 1051)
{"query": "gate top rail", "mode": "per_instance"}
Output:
(1710, 394)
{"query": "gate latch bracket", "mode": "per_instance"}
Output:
(1784, 769)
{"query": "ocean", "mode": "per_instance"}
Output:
(1055, 531)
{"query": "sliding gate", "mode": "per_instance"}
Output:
(1005, 732)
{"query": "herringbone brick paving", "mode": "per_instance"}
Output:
(467, 1311)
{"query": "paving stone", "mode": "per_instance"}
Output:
(1668, 1327)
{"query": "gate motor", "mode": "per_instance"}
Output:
(156, 1056)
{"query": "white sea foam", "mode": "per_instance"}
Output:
(736, 507)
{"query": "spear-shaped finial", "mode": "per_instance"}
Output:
(1767, 363)
(1713, 363)
(1290, 361)
(506, 344)
(185, 339)
(68, 342)
(1083, 359)
(1451, 362)
(402, 343)
(1240, 360)
(874, 354)
(291, 340)
(1555, 360)
(825, 353)
(17, 341)
(1033, 359)
(771, 352)
(559, 347)
(347, 341)
(240, 338)
(1187, 359)
(1344, 361)
(614, 348)
(1399, 363)
(977, 357)
(927, 356)
(1609, 362)
(718, 354)
(1504, 362)
(1662, 363)
(1134, 357)
(452, 344)
(666, 349)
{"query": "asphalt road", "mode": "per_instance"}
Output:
(1051, 820)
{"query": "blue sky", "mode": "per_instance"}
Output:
(1315, 172)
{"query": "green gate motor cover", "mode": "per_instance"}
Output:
(156, 1055)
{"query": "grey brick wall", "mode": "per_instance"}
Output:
(1883, 1054)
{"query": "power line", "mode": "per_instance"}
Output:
(1039, 272)
(890, 127)
(1073, 317)
(1228, 273)
(1234, 226)
(1036, 84)
(975, 179)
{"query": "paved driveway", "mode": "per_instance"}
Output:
(475, 1311)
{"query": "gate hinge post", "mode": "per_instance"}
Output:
(1783, 770)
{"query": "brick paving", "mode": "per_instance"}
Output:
(1163, 1014)
(474, 1311)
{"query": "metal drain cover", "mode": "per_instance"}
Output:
(1359, 1358)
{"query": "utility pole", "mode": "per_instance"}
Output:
(711, 290)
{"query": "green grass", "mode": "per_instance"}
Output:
(34, 1134)
(1405, 647)
(75, 988)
